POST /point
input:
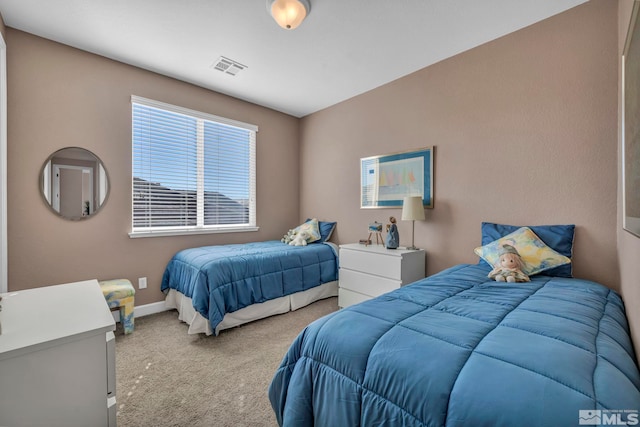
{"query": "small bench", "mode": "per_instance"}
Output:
(120, 294)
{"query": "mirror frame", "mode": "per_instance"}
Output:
(41, 184)
(631, 126)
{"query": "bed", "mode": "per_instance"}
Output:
(459, 349)
(220, 287)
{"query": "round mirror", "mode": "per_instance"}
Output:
(74, 183)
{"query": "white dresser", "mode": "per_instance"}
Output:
(57, 357)
(369, 271)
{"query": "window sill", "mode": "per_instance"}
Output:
(186, 232)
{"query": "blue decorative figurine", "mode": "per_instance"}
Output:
(393, 239)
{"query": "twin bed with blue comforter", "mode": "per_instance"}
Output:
(211, 282)
(458, 349)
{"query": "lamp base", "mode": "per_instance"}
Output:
(413, 235)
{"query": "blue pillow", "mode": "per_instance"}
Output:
(557, 237)
(326, 230)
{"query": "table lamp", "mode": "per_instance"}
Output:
(412, 209)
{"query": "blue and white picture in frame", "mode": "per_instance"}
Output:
(385, 180)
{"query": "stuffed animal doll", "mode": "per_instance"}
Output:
(300, 239)
(288, 237)
(509, 266)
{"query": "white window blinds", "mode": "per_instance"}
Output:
(191, 171)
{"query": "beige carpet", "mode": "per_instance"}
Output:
(166, 377)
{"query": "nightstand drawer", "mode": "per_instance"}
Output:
(366, 284)
(372, 263)
(347, 298)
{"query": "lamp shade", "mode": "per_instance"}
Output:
(288, 13)
(412, 208)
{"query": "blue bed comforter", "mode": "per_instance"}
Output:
(226, 278)
(458, 350)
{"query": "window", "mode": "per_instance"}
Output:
(192, 172)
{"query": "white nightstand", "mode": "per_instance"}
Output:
(57, 357)
(369, 271)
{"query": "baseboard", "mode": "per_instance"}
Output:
(143, 310)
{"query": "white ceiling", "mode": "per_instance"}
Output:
(342, 49)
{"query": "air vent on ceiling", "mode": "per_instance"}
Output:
(228, 66)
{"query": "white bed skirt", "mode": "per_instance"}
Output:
(198, 324)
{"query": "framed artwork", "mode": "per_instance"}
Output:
(631, 127)
(386, 180)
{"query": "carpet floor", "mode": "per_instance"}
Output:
(166, 377)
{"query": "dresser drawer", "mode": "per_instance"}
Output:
(347, 298)
(366, 284)
(373, 263)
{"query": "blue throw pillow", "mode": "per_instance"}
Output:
(326, 230)
(557, 237)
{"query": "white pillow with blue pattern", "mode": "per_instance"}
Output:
(535, 254)
(312, 229)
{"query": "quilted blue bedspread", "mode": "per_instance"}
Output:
(225, 278)
(456, 349)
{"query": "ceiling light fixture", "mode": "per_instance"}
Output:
(289, 13)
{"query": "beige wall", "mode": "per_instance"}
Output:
(525, 132)
(524, 129)
(60, 96)
(628, 244)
